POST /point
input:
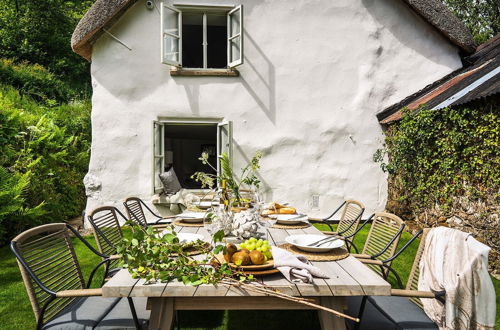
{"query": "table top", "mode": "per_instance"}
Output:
(348, 277)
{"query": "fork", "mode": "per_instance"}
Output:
(323, 241)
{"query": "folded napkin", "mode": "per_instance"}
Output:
(295, 268)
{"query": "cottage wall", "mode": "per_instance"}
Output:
(315, 75)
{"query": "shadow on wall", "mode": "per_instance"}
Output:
(261, 85)
(401, 22)
(258, 78)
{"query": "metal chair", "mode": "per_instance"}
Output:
(135, 212)
(401, 310)
(382, 240)
(107, 231)
(58, 294)
(352, 211)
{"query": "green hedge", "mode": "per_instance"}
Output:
(45, 149)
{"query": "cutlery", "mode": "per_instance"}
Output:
(323, 241)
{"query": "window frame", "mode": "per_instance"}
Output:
(164, 60)
(226, 10)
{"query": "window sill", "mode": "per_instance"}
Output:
(204, 72)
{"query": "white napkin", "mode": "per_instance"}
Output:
(295, 268)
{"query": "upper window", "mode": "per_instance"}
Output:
(202, 37)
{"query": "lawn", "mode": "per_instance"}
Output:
(16, 313)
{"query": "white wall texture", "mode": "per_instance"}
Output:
(315, 74)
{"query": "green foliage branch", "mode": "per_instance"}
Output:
(248, 176)
(162, 258)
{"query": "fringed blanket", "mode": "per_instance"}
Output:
(455, 262)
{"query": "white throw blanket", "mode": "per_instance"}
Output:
(295, 268)
(455, 262)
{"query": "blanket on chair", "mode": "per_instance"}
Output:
(455, 262)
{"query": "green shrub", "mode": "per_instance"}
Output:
(13, 212)
(35, 81)
(438, 155)
(52, 144)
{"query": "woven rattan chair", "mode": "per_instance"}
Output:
(135, 212)
(58, 294)
(107, 231)
(401, 310)
(352, 211)
(382, 240)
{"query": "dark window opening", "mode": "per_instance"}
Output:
(184, 144)
(192, 41)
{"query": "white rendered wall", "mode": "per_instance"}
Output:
(315, 75)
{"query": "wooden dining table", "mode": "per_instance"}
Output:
(347, 277)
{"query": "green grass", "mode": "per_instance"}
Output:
(16, 313)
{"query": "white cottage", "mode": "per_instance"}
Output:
(299, 80)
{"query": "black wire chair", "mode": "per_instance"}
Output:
(59, 296)
(107, 232)
(135, 212)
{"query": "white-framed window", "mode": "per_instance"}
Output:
(178, 143)
(202, 37)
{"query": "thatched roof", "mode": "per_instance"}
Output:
(104, 13)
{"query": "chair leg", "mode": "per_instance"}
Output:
(134, 314)
(360, 313)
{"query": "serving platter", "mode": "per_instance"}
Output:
(267, 265)
(289, 219)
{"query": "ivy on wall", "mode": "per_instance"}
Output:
(444, 169)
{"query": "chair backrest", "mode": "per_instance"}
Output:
(351, 213)
(107, 230)
(385, 227)
(48, 252)
(133, 205)
(412, 283)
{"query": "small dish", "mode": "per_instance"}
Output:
(205, 204)
(302, 242)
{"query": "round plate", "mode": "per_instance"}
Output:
(184, 237)
(289, 219)
(268, 264)
(205, 204)
(302, 242)
(191, 217)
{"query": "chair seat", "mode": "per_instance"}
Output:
(99, 313)
(390, 313)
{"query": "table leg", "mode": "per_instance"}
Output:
(328, 320)
(162, 313)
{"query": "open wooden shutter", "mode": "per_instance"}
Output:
(158, 155)
(224, 140)
(235, 37)
(171, 35)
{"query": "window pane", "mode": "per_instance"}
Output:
(217, 41)
(170, 21)
(192, 40)
(235, 24)
(171, 48)
(235, 49)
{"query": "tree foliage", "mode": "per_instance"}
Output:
(40, 32)
(482, 17)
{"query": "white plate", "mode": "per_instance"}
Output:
(205, 204)
(302, 242)
(184, 237)
(191, 216)
(289, 219)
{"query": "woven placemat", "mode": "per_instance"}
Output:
(181, 223)
(296, 226)
(333, 255)
(205, 249)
